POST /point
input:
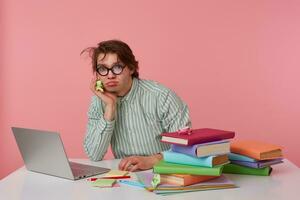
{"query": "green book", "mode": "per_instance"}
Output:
(164, 167)
(238, 169)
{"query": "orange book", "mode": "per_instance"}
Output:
(255, 149)
(184, 179)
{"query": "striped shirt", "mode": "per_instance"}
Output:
(145, 112)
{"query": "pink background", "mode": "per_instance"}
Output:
(236, 64)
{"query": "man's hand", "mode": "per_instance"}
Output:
(134, 163)
(109, 99)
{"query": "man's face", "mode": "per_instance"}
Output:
(118, 84)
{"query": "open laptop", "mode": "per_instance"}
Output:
(43, 152)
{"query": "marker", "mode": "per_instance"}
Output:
(132, 183)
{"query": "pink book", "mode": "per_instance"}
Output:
(188, 137)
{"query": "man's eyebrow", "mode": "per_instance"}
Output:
(117, 62)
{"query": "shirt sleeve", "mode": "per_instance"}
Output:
(174, 113)
(99, 131)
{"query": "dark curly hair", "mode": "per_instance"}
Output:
(114, 46)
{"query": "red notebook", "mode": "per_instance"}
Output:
(190, 137)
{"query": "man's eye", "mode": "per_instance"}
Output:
(117, 66)
(101, 69)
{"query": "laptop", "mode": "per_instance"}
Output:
(43, 152)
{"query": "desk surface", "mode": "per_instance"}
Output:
(23, 184)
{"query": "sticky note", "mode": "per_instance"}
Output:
(113, 173)
(103, 183)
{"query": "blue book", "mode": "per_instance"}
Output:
(209, 161)
(204, 149)
(258, 164)
(239, 157)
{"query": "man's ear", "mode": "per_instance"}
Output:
(132, 71)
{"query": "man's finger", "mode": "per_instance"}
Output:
(134, 167)
(123, 163)
(128, 165)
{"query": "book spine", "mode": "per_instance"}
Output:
(238, 169)
(246, 164)
(190, 150)
(234, 156)
(182, 170)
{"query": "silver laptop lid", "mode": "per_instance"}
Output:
(43, 152)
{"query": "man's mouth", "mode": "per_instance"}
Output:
(111, 83)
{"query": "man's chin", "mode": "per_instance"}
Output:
(112, 90)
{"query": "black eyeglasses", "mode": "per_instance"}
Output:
(116, 69)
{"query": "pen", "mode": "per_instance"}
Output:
(109, 177)
(132, 183)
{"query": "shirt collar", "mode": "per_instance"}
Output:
(132, 93)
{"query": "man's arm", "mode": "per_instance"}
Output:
(99, 130)
(174, 113)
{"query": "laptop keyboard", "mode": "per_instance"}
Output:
(81, 170)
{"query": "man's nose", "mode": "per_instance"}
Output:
(110, 74)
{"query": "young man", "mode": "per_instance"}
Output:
(131, 113)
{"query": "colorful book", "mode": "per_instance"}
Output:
(205, 149)
(171, 192)
(220, 182)
(196, 136)
(171, 168)
(234, 156)
(258, 164)
(183, 179)
(257, 150)
(238, 169)
(209, 161)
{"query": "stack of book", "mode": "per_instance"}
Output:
(166, 188)
(194, 162)
(253, 158)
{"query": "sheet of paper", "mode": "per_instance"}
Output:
(103, 183)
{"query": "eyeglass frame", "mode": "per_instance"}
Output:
(110, 69)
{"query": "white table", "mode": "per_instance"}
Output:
(284, 183)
